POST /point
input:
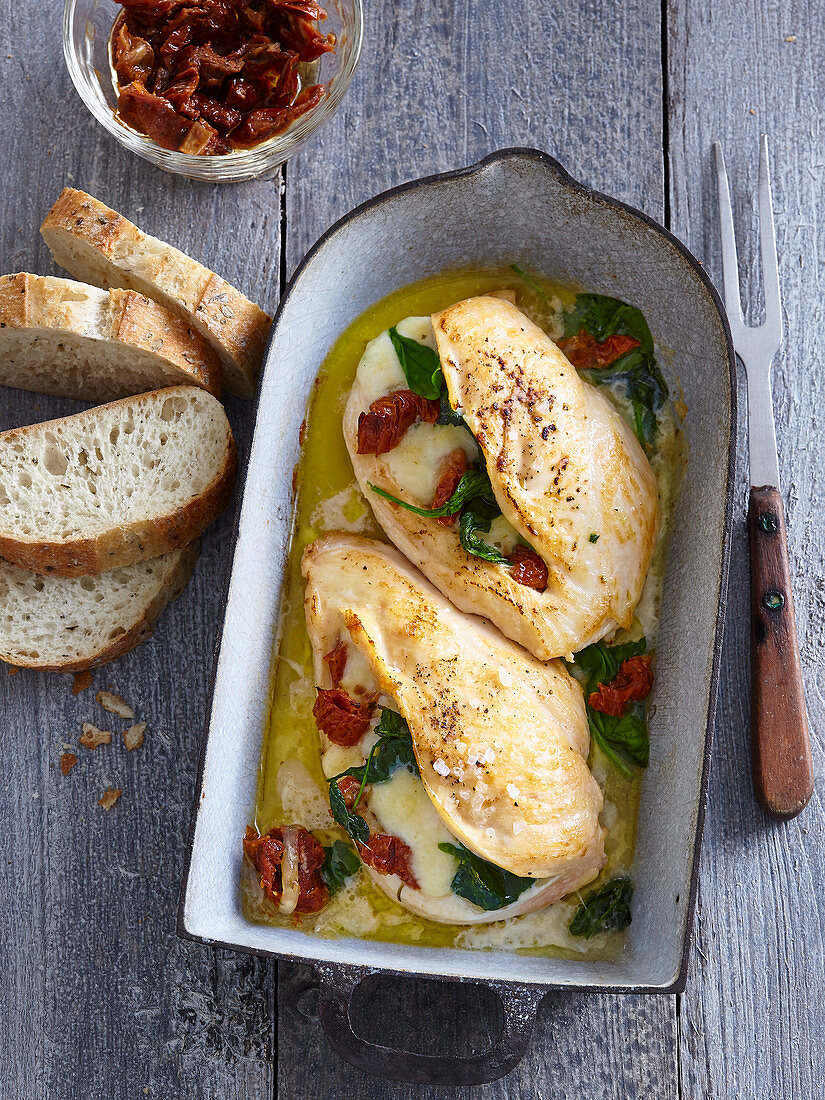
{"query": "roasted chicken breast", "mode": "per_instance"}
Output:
(500, 738)
(568, 474)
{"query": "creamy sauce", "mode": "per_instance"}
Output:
(292, 786)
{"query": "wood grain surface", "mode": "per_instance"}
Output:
(99, 999)
(752, 1017)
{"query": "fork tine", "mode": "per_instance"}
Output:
(730, 263)
(767, 244)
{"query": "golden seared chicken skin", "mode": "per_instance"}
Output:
(500, 738)
(576, 492)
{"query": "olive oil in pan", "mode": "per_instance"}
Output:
(328, 498)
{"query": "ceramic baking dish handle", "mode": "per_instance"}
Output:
(337, 985)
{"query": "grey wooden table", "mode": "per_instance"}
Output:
(98, 998)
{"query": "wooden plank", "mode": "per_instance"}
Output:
(100, 999)
(438, 88)
(752, 1018)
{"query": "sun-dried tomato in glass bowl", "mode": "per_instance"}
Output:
(209, 76)
(218, 90)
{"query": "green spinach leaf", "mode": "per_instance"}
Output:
(605, 910)
(635, 374)
(473, 483)
(487, 886)
(470, 523)
(601, 661)
(340, 862)
(393, 750)
(350, 822)
(448, 415)
(624, 740)
(622, 737)
(420, 364)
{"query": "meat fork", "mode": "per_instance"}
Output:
(780, 746)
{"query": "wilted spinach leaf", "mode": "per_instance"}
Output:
(601, 661)
(340, 862)
(635, 374)
(421, 365)
(392, 750)
(448, 415)
(628, 734)
(487, 886)
(624, 740)
(605, 910)
(470, 523)
(351, 822)
(473, 483)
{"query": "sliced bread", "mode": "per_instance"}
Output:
(114, 485)
(74, 340)
(73, 623)
(100, 246)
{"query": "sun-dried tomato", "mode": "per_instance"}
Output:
(336, 661)
(453, 466)
(385, 423)
(389, 855)
(340, 717)
(312, 893)
(266, 854)
(349, 787)
(632, 683)
(527, 568)
(135, 58)
(584, 352)
(231, 66)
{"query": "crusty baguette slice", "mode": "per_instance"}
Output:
(100, 246)
(74, 340)
(72, 623)
(116, 484)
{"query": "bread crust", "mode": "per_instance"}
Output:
(39, 302)
(140, 631)
(126, 544)
(235, 327)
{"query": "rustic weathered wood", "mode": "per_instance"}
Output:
(99, 998)
(780, 748)
(752, 1018)
(439, 87)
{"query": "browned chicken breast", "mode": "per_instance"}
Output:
(578, 499)
(500, 739)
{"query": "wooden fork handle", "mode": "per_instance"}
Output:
(780, 747)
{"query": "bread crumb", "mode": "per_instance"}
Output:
(82, 680)
(67, 762)
(109, 798)
(791, 38)
(114, 704)
(13, 670)
(92, 736)
(133, 736)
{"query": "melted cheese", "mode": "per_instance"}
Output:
(416, 462)
(405, 810)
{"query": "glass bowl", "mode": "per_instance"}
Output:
(86, 28)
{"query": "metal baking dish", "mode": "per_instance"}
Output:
(516, 205)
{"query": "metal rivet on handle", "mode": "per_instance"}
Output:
(767, 523)
(773, 600)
